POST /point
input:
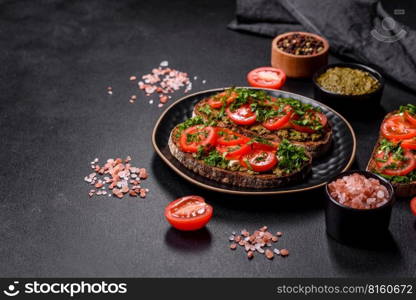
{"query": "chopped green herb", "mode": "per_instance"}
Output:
(291, 157)
(399, 179)
(206, 109)
(189, 123)
(409, 107)
(215, 159)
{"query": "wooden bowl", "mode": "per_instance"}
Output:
(299, 66)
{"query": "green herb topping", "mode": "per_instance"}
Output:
(411, 108)
(291, 157)
(215, 159)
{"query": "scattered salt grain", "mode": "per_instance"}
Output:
(259, 241)
(164, 63)
(115, 175)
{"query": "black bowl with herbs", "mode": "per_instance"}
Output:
(343, 86)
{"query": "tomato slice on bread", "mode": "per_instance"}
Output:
(234, 151)
(279, 121)
(225, 97)
(266, 77)
(397, 127)
(229, 138)
(410, 117)
(268, 146)
(310, 122)
(409, 144)
(188, 213)
(194, 137)
(242, 115)
(259, 160)
(391, 166)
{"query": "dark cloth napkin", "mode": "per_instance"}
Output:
(357, 29)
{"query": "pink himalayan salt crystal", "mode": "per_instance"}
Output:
(359, 192)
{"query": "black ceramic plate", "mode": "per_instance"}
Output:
(338, 159)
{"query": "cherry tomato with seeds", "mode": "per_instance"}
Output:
(398, 128)
(242, 115)
(259, 160)
(188, 213)
(266, 77)
(194, 137)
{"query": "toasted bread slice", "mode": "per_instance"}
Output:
(236, 178)
(401, 189)
(316, 148)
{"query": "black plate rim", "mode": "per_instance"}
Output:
(260, 191)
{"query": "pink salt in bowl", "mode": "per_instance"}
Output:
(358, 208)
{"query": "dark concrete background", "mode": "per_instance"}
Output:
(56, 60)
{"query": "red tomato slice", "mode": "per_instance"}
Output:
(411, 118)
(188, 213)
(259, 160)
(413, 206)
(272, 146)
(229, 138)
(196, 136)
(242, 115)
(398, 128)
(235, 151)
(279, 121)
(409, 144)
(225, 97)
(266, 77)
(381, 159)
(402, 167)
(313, 115)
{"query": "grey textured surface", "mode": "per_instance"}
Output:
(57, 58)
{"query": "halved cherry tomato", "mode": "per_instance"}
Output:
(279, 121)
(259, 160)
(398, 128)
(266, 77)
(235, 151)
(242, 115)
(188, 213)
(401, 167)
(311, 115)
(196, 136)
(411, 118)
(229, 138)
(413, 206)
(409, 144)
(225, 97)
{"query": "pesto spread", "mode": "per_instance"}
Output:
(348, 81)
